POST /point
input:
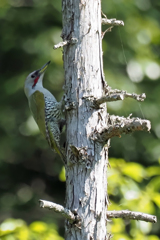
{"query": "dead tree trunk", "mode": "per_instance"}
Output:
(88, 126)
(86, 181)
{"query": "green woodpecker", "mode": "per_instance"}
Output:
(46, 111)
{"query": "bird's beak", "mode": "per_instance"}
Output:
(43, 69)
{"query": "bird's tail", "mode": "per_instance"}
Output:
(53, 138)
(63, 155)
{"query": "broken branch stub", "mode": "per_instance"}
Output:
(113, 21)
(66, 213)
(116, 95)
(65, 42)
(118, 125)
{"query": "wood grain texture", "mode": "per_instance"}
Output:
(86, 178)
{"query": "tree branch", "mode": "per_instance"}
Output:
(113, 22)
(66, 42)
(66, 213)
(116, 94)
(107, 30)
(118, 125)
(126, 214)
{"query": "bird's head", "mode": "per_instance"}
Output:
(34, 78)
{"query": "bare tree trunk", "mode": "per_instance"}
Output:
(86, 179)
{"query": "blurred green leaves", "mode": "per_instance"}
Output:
(136, 188)
(17, 229)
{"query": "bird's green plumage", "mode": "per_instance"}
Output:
(37, 106)
(47, 123)
(51, 138)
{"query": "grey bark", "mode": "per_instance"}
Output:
(86, 179)
(88, 126)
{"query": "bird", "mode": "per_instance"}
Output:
(46, 111)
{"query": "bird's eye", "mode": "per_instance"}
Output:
(32, 76)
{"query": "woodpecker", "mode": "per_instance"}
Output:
(47, 112)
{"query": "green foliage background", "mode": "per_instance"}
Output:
(29, 170)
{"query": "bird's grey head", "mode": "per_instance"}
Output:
(34, 80)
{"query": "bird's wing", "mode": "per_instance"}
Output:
(37, 106)
(53, 134)
(48, 125)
